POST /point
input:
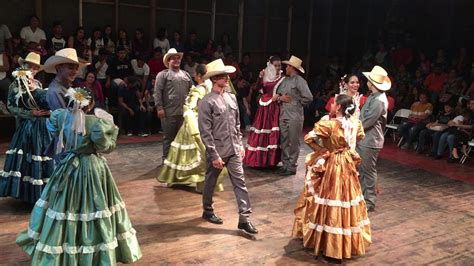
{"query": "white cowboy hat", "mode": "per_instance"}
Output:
(217, 67)
(170, 52)
(32, 58)
(63, 56)
(379, 78)
(294, 62)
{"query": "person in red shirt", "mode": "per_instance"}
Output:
(156, 62)
(434, 83)
(351, 83)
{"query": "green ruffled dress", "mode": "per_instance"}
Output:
(186, 160)
(80, 218)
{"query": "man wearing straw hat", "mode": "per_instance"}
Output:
(65, 65)
(374, 118)
(293, 94)
(219, 125)
(171, 88)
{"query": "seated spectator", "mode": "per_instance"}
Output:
(402, 76)
(435, 129)
(33, 37)
(156, 63)
(132, 110)
(229, 61)
(192, 46)
(177, 42)
(434, 83)
(119, 68)
(57, 41)
(17, 46)
(123, 41)
(101, 67)
(420, 113)
(109, 40)
(4, 80)
(243, 93)
(247, 69)
(96, 42)
(5, 40)
(225, 43)
(95, 88)
(78, 41)
(190, 65)
(140, 45)
(86, 59)
(208, 52)
(452, 88)
(161, 41)
(425, 64)
(141, 71)
(463, 133)
(219, 53)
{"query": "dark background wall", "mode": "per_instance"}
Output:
(345, 28)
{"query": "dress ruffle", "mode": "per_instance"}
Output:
(263, 144)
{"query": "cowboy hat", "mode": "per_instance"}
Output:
(171, 52)
(32, 58)
(217, 67)
(63, 56)
(294, 62)
(379, 78)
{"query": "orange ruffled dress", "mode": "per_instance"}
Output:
(331, 214)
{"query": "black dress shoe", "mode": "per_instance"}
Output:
(370, 209)
(212, 218)
(287, 173)
(281, 170)
(248, 227)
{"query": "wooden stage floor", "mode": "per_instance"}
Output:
(421, 218)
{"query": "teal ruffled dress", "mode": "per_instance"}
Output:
(27, 166)
(80, 218)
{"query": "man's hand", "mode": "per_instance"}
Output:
(160, 113)
(218, 163)
(285, 98)
(132, 113)
(142, 108)
(242, 152)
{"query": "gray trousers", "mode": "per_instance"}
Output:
(368, 173)
(171, 126)
(236, 174)
(290, 133)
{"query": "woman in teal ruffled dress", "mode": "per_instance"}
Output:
(27, 167)
(186, 160)
(80, 218)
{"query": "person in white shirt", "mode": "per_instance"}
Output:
(162, 41)
(96, 42)
(101, 67)
(141, 70)
(57, 41)
(32, 36)
(190, 66)
(5, 39)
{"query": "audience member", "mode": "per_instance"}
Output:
(420, 113)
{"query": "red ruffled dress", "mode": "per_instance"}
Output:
(263, 144)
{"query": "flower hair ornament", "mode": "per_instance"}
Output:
(24, 79)
(78, 99)
(343, 85)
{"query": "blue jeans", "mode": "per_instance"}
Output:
(446, 139)
(410, 131)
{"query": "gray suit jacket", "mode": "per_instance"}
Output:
(171, 90)
(219, 125)
(298, 89)
(374, 118)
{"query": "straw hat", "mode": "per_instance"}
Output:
(217, 67)
(63, 56)
(171, 52)
(379, 78)
(32, 58)
(295, 62)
